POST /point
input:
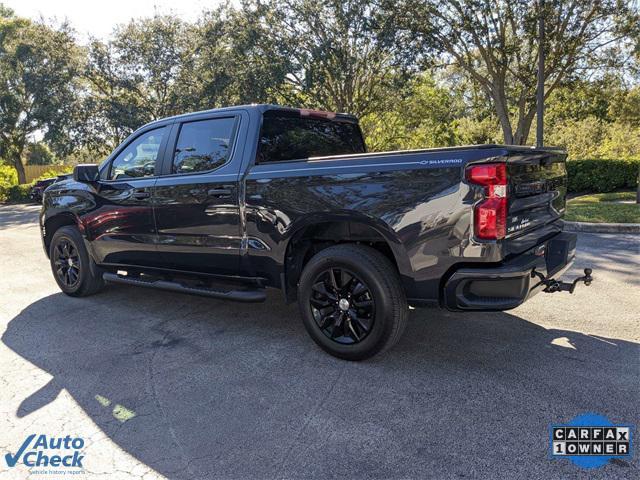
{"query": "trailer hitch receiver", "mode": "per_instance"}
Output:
(552, 286)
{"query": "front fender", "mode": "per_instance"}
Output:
(64, 204)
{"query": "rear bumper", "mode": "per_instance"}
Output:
(510, 283)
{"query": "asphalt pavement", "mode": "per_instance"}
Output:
(166, 385)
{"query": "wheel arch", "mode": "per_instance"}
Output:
(318, 232)
(54, 223)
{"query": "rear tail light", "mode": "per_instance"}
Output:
(490, 214)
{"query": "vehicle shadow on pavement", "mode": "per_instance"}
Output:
(18, 215)
(198, 388)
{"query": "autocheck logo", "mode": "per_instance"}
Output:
(46, 451)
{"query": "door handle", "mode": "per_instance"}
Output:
(219, 192)
(140, 194)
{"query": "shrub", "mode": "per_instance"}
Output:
(8, 175)
(54, 172)
(8, 178)
(18, 193)
(9, 188)
(602, 175)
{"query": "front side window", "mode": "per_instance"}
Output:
(138, 159)
(289, 136)
(203, 145)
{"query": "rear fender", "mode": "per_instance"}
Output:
(389, 236)
(294, 256)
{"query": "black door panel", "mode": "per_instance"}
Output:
(197, 212)
(123, 227)
(198, 231)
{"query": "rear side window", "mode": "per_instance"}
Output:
(286, 136)
(203, 145)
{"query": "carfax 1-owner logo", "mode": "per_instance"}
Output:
(45, 454)
(590, 440)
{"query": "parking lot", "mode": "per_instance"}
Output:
(166, 385)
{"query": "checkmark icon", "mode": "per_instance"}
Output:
(13, 459)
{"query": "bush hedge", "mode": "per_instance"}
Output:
(8, 178)
(10, 191)
(601, 176)
(19, 193)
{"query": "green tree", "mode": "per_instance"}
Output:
(160, 66)
(579, 98)
(39, 153)
(39, 67)
(141, 74)
(237, 59)
(153, 55)
(338, 59)
(581, 138)
(496, 44)
(423, 115)
(595, 118)
(111, 107)
(474, 131)
(626, 107)
(621, 140)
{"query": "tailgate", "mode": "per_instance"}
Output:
(537, 189)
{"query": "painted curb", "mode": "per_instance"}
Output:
(602, 227)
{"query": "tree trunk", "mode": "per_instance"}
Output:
(22, 175)
(507, 133)
(503, 117)
(524, 127)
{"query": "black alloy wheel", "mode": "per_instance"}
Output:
(342, 306)
(74, 270)
(66, 259)
(351, 301)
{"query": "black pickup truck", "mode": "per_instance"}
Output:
(227, 202)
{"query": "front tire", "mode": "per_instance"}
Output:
(73, 269)
(352, 302)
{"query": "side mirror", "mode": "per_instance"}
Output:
(86, 173)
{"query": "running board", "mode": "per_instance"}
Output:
(257, 295)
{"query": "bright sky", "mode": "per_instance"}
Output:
(97, 18)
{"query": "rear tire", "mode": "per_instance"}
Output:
(75, 272)
(352, 302)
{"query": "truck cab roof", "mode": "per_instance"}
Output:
(260, 109)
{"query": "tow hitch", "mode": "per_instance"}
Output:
(553, 286)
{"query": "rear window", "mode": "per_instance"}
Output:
(288, 136)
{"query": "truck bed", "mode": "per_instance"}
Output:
(418, 199)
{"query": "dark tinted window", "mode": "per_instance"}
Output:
(203, 145)
(287, 136)
(138, 159)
